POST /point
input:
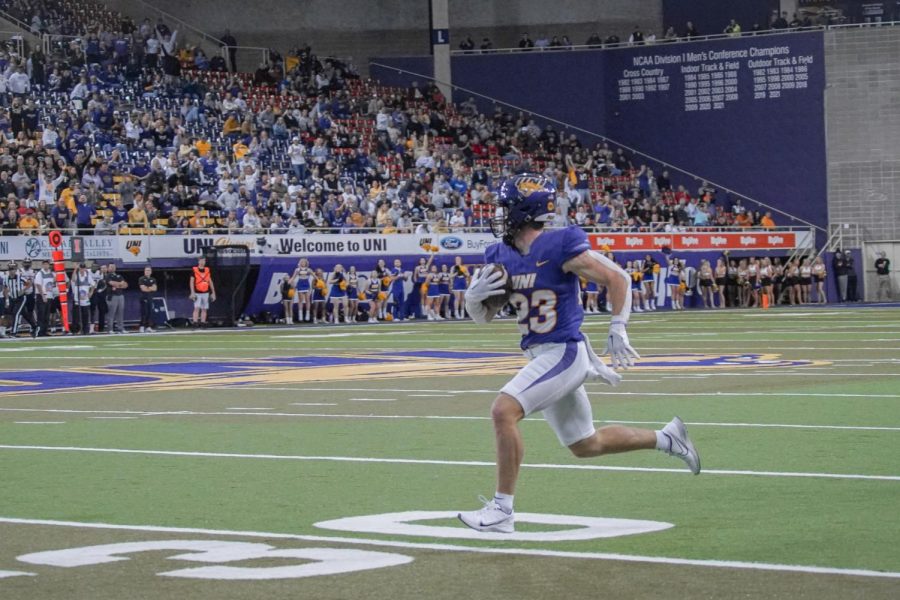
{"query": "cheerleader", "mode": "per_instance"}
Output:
(721, 274)
(287, 300)
(805, 281)
(705, 279)
(637, 285)
(460, 276)
(819, 273)
(374, 295)
(733, 284)
(753, 281)
(397, 300)
(444, 287)
(777, 280)
(318, 296)
(337, 294)
(743, 280)
(792, 281)
(673, 280)
(650, 269)
(433, 295)
(591, 294)
(766, 275)
(385, 279)
(420, 274)
(300, 281)
(352, 293)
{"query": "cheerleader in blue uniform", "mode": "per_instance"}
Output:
(374, 296)
(301, 282)
(673, 280)
(592, 293)
(433, 295)
(460, 275)
(337, 285)
(650, 268)
(318, 296)
(444, 286)
(416, 300)
(637, 285)
(353, 293)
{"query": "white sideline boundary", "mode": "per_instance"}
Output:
(455, 463)
(723, 564)
(193, 413)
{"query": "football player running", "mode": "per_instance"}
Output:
(544, 266)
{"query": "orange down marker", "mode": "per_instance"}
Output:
(59, 267)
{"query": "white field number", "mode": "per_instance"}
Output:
(325, 561)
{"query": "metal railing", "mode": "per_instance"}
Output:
(133, 229)
(23, 29)
(676, 40)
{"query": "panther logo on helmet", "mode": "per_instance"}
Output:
(521, 200)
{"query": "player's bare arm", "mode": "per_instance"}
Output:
(596, 267)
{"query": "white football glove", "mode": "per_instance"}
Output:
(620, 352)
(484, 285)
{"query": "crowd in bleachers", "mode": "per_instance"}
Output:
(121, 130)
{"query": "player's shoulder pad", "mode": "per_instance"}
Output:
(573, 242)
(492, 252)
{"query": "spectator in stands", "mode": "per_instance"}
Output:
(467, 45)
(637, 36)
(230, 45)
(690, 31)
(525, 42)
(137, 216)
(779, 21)
(767, 221)
(733, 28)
(595, 41)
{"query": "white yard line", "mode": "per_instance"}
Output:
(39, 422)
(190, 413)
(112, 418)
(249, 408)
(746, 394)
(722, 564)
(455, 463)
(372, 399)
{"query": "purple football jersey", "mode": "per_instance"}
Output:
(546, 298)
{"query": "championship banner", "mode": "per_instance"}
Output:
(705, 241)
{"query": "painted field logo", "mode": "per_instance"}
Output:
(439, 364)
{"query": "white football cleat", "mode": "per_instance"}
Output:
(680, 444)
(490, 518)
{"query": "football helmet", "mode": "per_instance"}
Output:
(521, 200)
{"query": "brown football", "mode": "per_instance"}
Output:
(495, 303)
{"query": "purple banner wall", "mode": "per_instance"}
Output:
(746, 113)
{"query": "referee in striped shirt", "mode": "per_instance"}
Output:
(20, 294)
